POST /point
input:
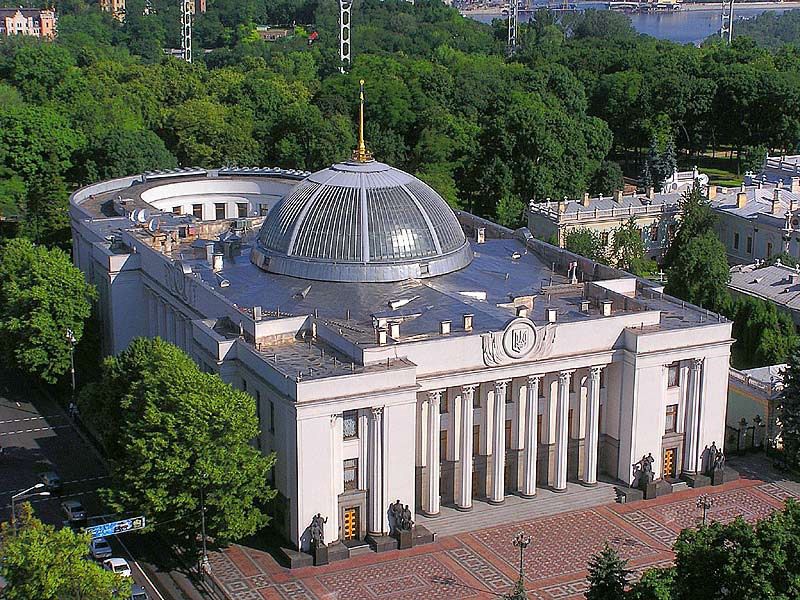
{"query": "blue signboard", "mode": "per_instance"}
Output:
(124, 526)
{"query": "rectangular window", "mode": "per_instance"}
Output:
(176, 210)
(350, 424)
(603, 379)
(258, 415)
(241, 209)
(443, 445)
(444, 405)
(569, 424)
(476, 439)
(674, 375)
(736, 240)
(271, 417)
(476, 398)
(749, 245)
(654, 232)
(539, 428)
(769, 249)
(244, 384)
(197, 211)
(350, 474)
(263, 209)
(672, 419)
(508, 434)
(219, 211)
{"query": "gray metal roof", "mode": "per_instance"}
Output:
(774, 283)
(362, 221)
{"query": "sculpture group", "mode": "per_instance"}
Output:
(401, 516)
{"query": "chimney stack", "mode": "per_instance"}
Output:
(562, 206)
(394, 330)
(651, 193)
(586, 200)
(795, 185)
(712, 192)
(585, 305)
(618, 196)
(380, 336)
(776, 201)
(522, 311)
(444, 327)
(481, 235)
(606, 306)
(552, 315)
(468, 322)
(741, 199)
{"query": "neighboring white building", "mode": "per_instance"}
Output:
(776, 283)
(396, 350)
(753, 398)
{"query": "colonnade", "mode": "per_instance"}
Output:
(493, 405)
(165, 322)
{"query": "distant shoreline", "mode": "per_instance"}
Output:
(694, 6)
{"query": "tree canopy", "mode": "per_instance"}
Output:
(42, 296)
(42, 562)
(173, 433)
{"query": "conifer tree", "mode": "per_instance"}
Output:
(608, 575)
(789, 410)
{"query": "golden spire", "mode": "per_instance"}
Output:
(361, 154)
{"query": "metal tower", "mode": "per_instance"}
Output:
(344, 34)
(513, 25)
(726, 30)
(186, 30)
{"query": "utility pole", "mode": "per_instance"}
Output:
(70, 335)
(186, 30)
(344, 34)
(513, 26)
(205, 566)
(726, 30)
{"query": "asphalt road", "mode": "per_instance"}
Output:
(36, 435)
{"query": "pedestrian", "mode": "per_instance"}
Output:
(72, 410)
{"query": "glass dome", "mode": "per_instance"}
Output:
(362, 221)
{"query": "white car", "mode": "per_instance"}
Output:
(119, 566)
(100, 548)
(73, 510)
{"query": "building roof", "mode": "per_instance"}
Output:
(362, 221)
(759, 205)
(608, 207)
(776, 283)
(26, 12)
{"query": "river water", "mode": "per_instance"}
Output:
(683, 27)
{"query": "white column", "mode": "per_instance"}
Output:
(376, 503)
(337, 479)
(363, 449)
(562, 432)
(592, 438)
(430, 504)
(531, 435)
(499, 445)
(692, 416)
(464, 501)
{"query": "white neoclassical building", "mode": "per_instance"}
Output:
(397, 350)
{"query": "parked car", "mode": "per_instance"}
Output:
(139, 593)
(51, 481)
(119, 566)
(100, 548)
(73, 510)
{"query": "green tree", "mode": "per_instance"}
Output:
(120, 153)
(753, 158)
(789, 410)
(173, 433)
(696, 261)
(764, 335)
(655, 584)
(41, 562)
(628, 250)
(608, 575)
(42, 295)
(607, 179)
(585, 242)
(510, 211)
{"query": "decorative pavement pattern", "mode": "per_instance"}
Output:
(483, 564)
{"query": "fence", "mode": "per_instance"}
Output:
(745, 438)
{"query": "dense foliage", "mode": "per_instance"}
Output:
(789, 410)
(42, 562)
(608, 575)
(734, 560)
(443, 100)
(172, 434)
(42, 296)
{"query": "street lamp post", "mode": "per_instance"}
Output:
(24, 494)
(204, 565)
(70, 335)
(520, 541)
(705, 502)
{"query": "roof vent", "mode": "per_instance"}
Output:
(256, 313)
(794, 278)
(216, 262)
(468, 322)
(606, 306)
(444, 327)
(585, 305)
(481, 235)
(552, 315)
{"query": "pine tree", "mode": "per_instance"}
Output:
(789, 410)
(608, 575)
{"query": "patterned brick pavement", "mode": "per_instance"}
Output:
(483, 564)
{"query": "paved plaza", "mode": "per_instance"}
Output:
(483, 563)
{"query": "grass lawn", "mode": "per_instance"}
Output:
(720, 170)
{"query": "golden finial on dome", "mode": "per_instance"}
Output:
(361, 154)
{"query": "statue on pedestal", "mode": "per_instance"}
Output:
(318, 530)
(401, 517)
(644, 468)
(715, 460)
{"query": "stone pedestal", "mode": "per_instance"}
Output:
(717, 477)
(405, 539)
(320, 555)
(381, 543)
(650, 490)
(696, 480)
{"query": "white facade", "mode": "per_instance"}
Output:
(501, 378)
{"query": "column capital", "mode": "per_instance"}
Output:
(335, 418)
(435, 397)
(594, 372)
(377, 412)
(697, 364)
(501, 384)
(469, 389)
(564, 376)
(534, 379)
